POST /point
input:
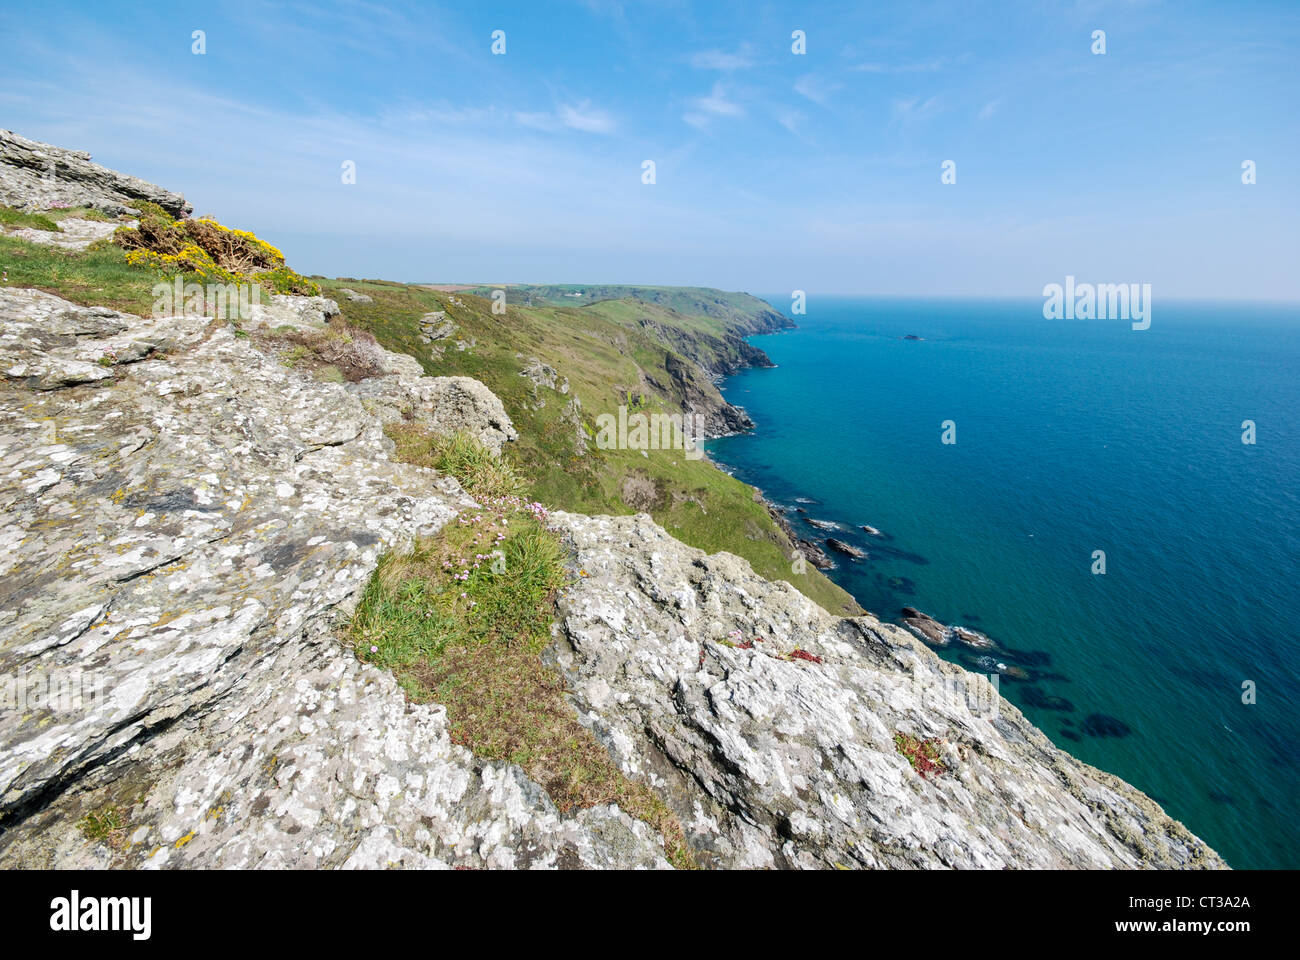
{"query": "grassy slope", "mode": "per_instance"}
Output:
(610, 351)
(701, 308)
(607, 353)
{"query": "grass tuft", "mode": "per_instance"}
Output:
(107, 825)
(462, 455)
(9, 217)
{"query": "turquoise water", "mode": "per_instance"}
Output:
(1072, 436)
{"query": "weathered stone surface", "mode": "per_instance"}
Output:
(184, 526)
(777, 760)
(445, 405)
(280, 310)
(37, 176)
(73, 233)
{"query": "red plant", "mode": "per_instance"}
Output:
(797, 654)
(923, 755)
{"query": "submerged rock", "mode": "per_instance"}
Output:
(972, 638)
(926, 627)
(847, 548)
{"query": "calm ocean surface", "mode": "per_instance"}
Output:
(1072, 436)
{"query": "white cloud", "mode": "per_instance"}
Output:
(584, 117)
(715, 104)
(581, 116)
(924, 66)
(722, 60)
(908, 107)
(792, 120)
(815, 88)
(990, 108)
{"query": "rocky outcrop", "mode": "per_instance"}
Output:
(696, 394)
(37, 176)
(443, 404)
(301, 313)
(186, 523)
(774, 728)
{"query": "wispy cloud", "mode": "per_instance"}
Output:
(990, 108)
(723, 60)
(703, 110)
(920, 66)
(913, 107)
(792, 120)
(815, 88)
(581, 116)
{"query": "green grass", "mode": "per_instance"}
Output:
(462, 456)
(106, 825)
(77, 213)
(98, 276)
(9, 217)
(461, 620)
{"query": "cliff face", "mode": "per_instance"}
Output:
(188, 523)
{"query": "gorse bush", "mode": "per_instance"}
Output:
(209, 250)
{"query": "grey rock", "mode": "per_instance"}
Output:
(775, 760)
(926, 627)
(444, 405)
(189, 531)
(73, 233)
(36, 176)
(356, 297)
(846, 548)
(282, 310)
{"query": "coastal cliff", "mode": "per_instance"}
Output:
(195, 510)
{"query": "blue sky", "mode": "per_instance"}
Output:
(774, 171)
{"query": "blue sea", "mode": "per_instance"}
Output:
(1072, 436)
